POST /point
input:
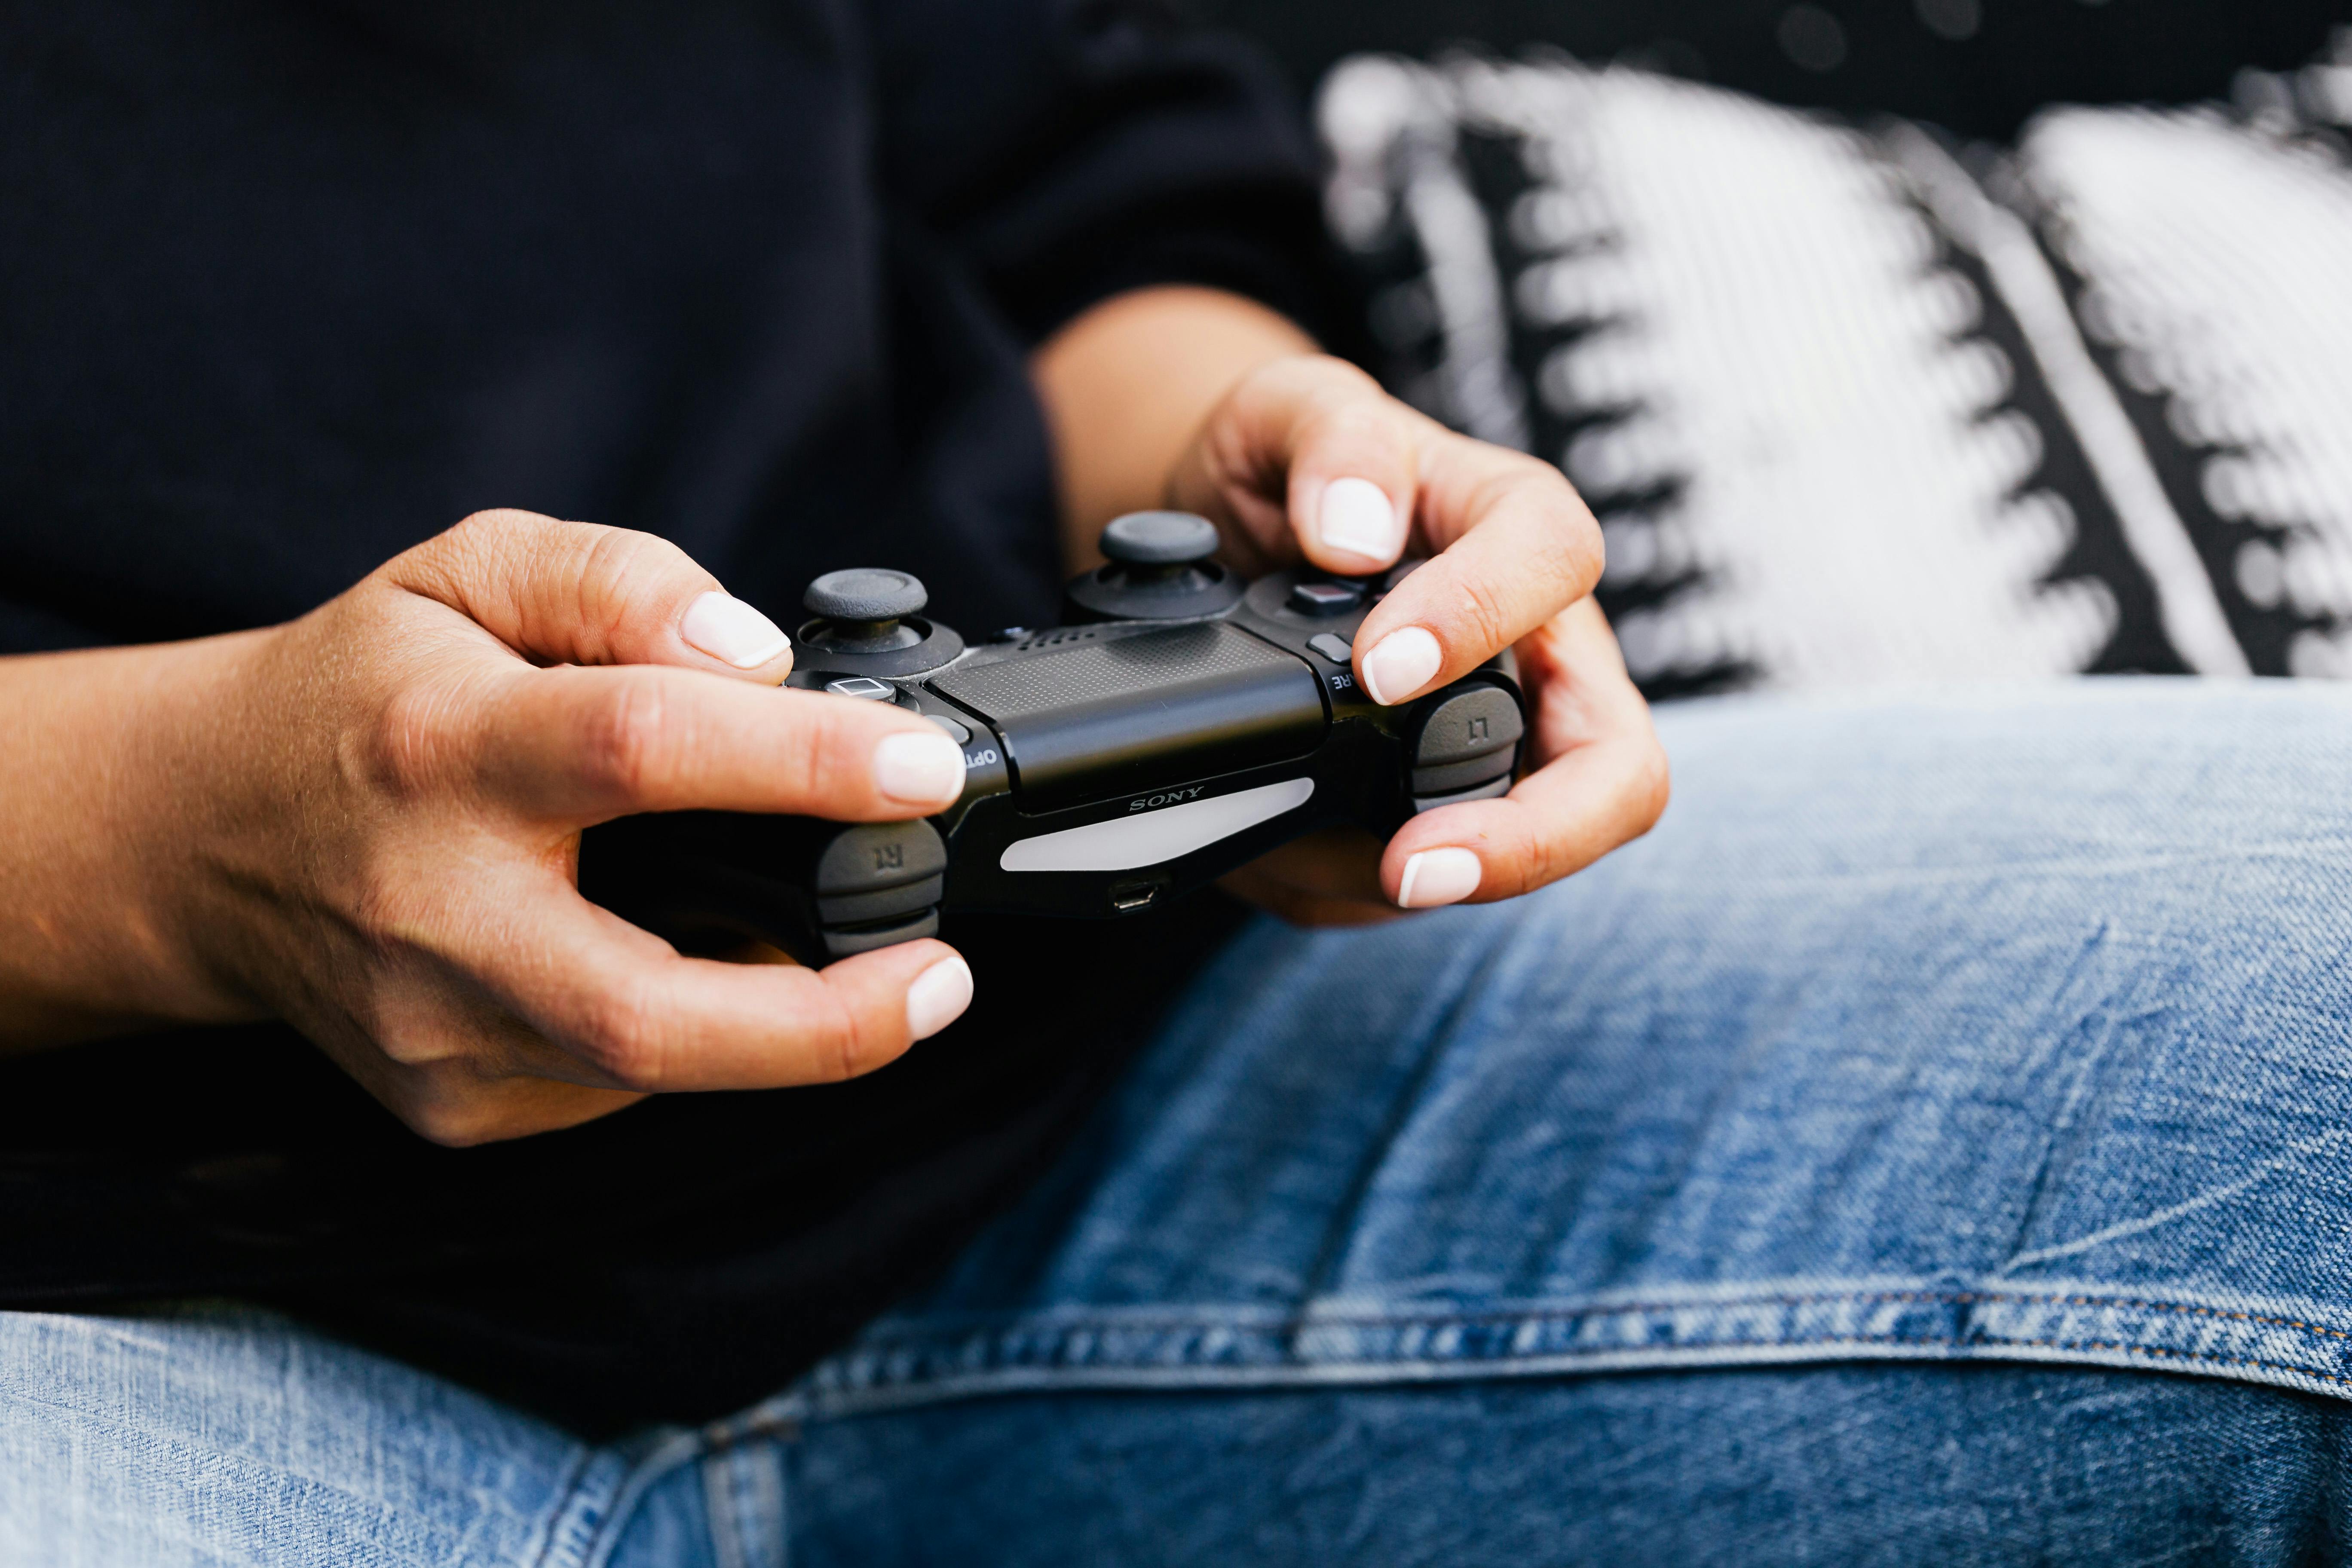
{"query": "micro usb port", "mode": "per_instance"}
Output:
(1126, 898)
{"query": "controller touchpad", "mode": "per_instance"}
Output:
(1102, 717)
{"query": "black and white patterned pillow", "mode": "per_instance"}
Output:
(1854, 406)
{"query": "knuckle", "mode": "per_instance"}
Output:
(1652, 786)
(1550, 857)
(403, 919)
(485, 543)
(840, 1046)
(492, 519)
(450, 1123)
(622, 1038)
(1483, 615)
(1572, 543)
(628, 740)
(1537, 861)
(1336, 378)
(844, 1062)
(414, 742)
(438, 1092)
(409, 1046)
(473, 563)
(618, 570)
(829, 767)
(470, 536)
(1345, 420)
(1577, 556)
(816, 762)
(1300, 387)
(457, 1118)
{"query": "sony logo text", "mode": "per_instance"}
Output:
(1172, 797)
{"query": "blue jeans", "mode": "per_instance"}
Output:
(1933, 1143)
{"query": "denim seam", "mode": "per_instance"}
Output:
(591, 1486)
(745, 1501)
(1015, 1355)
(670, 1451)
(2122, 1347)
(889, 1399)
(886, 1341)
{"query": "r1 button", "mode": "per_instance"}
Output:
(1332, 646)
(1324, 599)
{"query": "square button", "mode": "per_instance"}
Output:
(864, 686)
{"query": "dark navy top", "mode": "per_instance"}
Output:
(287, 287)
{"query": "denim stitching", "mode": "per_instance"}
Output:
(909, 1379)
(2115, 1346)
(555, 1547)
(1564, 1314)
(1994, 1341)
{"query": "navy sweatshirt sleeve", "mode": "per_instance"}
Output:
(1071, 150)
(288, 286)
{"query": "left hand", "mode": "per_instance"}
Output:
(1306, 457)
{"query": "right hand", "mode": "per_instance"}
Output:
(384, 824)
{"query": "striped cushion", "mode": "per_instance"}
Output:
(1854, 405)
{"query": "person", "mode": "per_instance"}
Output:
(1922, 1147)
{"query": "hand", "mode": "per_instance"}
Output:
(386, 829)
(1305, 456)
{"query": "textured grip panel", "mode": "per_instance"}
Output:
(1094, 673)
(1097, 718)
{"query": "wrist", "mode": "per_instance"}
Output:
(101, 849)
(1127, 386)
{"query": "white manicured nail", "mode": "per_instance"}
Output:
(937, 997)
(918, 769)
(725, 627)
(1400, 664)
(1357, 516)
(1437, 877)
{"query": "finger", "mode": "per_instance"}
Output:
(1557, 821)
(453, 1104)
(579, 746)
(449, 1059)
(1517, 546)
(1307, 455)
(1604, 783)
(1305, 906)
(1331, 878)
(629, 1013)
(576, 593)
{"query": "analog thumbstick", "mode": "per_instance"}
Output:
(1159, 569)
(865, 594)
(859, 610)
(1159, 539)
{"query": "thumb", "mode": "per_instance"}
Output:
(1306, 456)
(578, 593)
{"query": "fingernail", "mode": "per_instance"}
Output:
(1400, 664)
(1437, 877)
(1357, 516)
(726, 628)
(937, 997)
(918, 769)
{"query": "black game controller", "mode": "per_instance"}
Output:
(1180, 725)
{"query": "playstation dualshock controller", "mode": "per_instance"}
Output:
(1179, 724)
